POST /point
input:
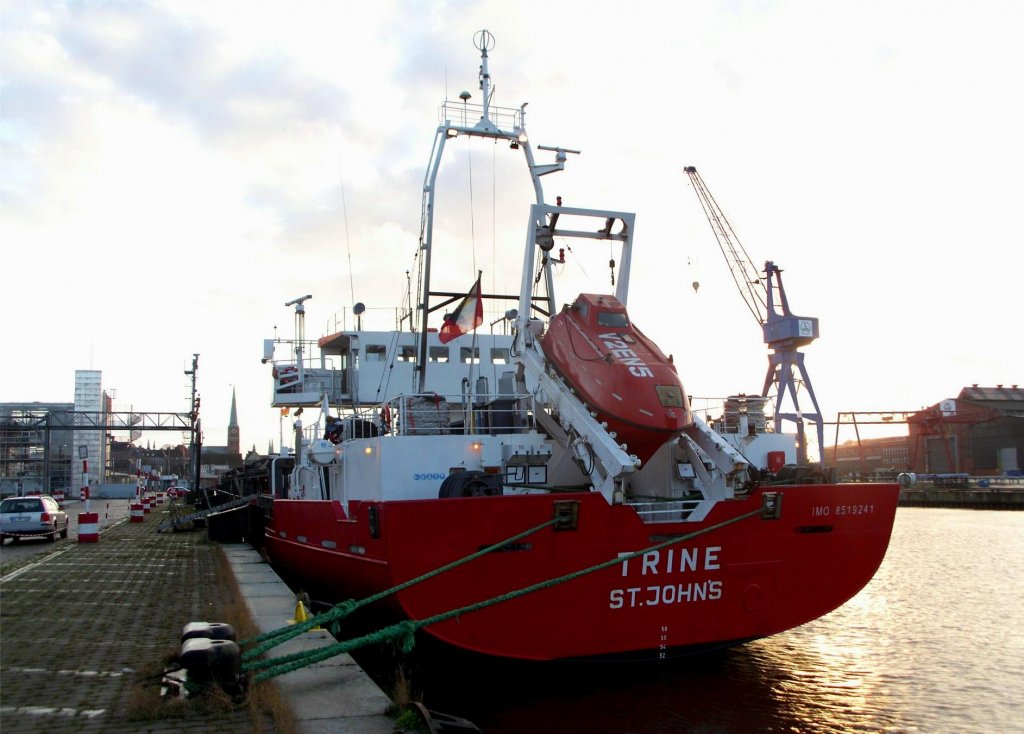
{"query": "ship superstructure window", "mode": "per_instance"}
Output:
(376, 352)
(407, 354)
(670, 396)
(469, 355)
(499, 355)
(610, 318)
(439, 354)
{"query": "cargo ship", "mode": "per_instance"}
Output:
(549, 494)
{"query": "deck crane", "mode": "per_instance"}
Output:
(784, 332)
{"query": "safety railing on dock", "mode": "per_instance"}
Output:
(958, 480)
(179, 518)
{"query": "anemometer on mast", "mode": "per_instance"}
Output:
(783, 331)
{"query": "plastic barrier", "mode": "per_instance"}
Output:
(88, 527)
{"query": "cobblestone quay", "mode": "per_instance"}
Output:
(85, 631)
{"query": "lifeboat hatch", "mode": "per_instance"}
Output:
(567, 514)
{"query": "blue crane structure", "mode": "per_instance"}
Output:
(784, 332)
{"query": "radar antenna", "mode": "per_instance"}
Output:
(300, 332)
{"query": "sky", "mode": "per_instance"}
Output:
(172, 173)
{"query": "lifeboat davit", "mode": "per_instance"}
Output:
(618, 372)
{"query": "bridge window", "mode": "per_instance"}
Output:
(376, 352)
(407, 354)
(439, 354)
(499, 355)
(469, 355)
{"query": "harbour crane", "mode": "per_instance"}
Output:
(784, 332)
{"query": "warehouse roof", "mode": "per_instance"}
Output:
(1008, 400)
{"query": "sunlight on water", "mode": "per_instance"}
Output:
(933, 643)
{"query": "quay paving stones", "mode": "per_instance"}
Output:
(78, 628)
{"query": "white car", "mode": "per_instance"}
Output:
(32, 517)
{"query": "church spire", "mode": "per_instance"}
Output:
(233, 433)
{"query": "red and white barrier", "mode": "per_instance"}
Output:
(137, 514)
(145, 504)
(85, 483)
(88, 527)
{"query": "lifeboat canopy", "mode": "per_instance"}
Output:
(620, 373)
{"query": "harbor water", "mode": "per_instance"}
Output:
(934, 643)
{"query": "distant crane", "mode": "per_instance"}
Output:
(784, 333)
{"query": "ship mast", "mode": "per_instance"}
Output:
(494, 122)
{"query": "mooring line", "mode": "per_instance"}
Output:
(406, 629)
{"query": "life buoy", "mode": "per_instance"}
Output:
(286, 375)
(385, 418)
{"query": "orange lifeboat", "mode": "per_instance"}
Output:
(618, 372)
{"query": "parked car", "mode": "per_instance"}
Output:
(32, 517)
(177, 492)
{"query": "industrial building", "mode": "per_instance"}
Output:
(868, 458)
(35, 450)
(41, 447)
(978, 433)
(49, 447)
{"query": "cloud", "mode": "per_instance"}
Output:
(173, 172)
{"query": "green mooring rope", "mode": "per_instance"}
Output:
(405, 631)
(341, 610)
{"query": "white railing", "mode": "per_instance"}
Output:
(468, 115)
(317, 376)
(432, 414)
(665, 510)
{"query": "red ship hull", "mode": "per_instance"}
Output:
(749, 579)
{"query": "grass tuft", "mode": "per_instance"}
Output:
(267, 710)
(264, 699)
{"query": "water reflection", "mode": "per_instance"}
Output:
(794, 683)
